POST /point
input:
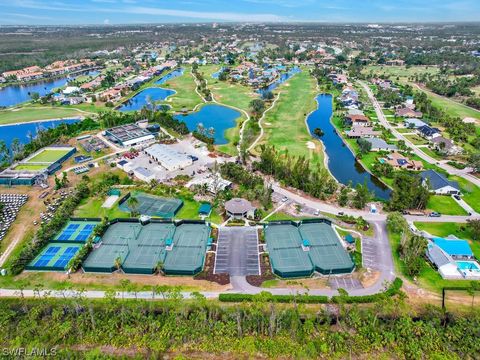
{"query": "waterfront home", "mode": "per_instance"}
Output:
(445, 146)
(428, 132)
(413, 123)
(357, 132)
(398, 161)
(356, 120)
(380, 145)
(408, 113)
(439, 184)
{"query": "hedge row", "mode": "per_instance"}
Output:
(392, 290)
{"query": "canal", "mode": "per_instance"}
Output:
(341, 162)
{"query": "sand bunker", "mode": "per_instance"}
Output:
(310, 145)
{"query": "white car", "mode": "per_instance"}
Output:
(284, 199)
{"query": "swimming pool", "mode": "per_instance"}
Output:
(468, 265)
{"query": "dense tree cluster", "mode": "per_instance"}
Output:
(408, 192)
(296, 172)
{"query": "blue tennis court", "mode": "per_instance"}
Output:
(55, 257)
(76, 232)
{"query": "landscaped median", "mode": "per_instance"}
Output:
(393, 289)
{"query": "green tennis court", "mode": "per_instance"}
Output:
(140, 249)
(49, 156)
(151, 205)
(324, 253)
(287, 257)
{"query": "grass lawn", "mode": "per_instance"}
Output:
(431, 153)
(30, 167)
(49, 155)
(416, 140)
(285, 126)
(28, 114)
(471, 192)
(405, 130)
(445, 205)
(186, 96)
(401, 72)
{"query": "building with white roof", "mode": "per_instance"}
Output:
(168, 157)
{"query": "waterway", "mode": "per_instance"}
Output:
(25, 131)
(140, 100)
(341, 161)
(16, 94)
(218, 117)
(171, 75)
(282, 78)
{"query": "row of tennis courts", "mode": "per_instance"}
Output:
(300, 249)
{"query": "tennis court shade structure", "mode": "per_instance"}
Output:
(139, 249)
(54, 257)
(151, 205)
(299, 249)
(76, 232)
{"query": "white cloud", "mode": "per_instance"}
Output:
(106, 21)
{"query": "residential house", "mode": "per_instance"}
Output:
(395, 62)
(446, 146)
(413, 123)
(408, 113)
(362, 132)
(398, 161)
(428, 132)
(439, 184)
(381, 145)
(356, 120)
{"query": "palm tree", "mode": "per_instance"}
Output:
(117, 263)
(159, 267)
(200, 128)
(133, 205)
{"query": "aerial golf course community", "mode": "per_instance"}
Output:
(273, 188)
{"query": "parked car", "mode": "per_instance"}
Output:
(434, 214)
(317, 212)
(284, 199)
(456, 196)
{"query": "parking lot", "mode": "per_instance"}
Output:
(370, 253)
(344, 282)
(237, 251)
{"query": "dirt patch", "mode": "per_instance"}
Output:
(265, 272)
(105, 281)
(368, 278)
(208, 275)
(311, 145)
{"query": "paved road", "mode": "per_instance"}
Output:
(383, 120)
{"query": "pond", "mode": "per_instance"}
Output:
(171, 75)
(23, 131)
(140, 100)
(283, 77)
(341, 162)
(216, 75)
(218, 117)
(17, 94)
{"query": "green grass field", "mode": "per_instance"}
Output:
(471, 192)
(30, 167)
(186, 96)
(30, 114)
(285, 126)
(445, 205)
(401, 72)
(48, 155)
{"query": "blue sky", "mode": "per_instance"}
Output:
(160, 11)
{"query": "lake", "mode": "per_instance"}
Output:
(215, 75)
(17, 94)
(170, 76)
(341, 162)
(22, 131)
(140, 100)
(282, 78)
(214, 116)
